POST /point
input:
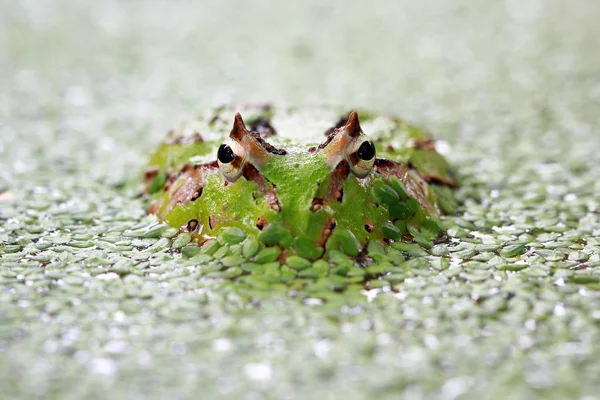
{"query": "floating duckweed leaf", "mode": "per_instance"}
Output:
(415, 264)
(445, 198)
(401, 226)
(578, 256)
(464, 254)
(387, 194)
(250, 248)
(81, 245)
(396, 256)
(430, 228)
(286, 239)
(513, 250)
(232, 261)
(341, 270)
(272, 269)
(233, 272)
(355, 271)
(347, 242)
(584, 279)
(423, 241)
(287, 274)
(511, 267)
(307, 248)
(235, 250)
(401, 210)
(378, 183)
(337, 257)
(376, 269)
(210, 247)
(183, 239)
(233, 235)
(410, 248)
(154, 231)
(221, 252)
(399, 187)
(267, 255)
(170, 232)
(40, 245)
(319, 268)
(391, 231)
(375, 247)
(297, 262)
(271, 234)
(440, 250)
(413, 204)
(256, 269)
(201, 258)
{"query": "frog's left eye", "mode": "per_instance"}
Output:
(231, 157)
(366, 151)
(361, 154)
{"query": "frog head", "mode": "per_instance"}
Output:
(336, 193)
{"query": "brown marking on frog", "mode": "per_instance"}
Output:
(261, 222)
(252, 174)
(335, 189)
(192, 225)
(149, 175)
(183, 187)
(198, 194)
(425, 144)
(317, 204)
(327, 231)
(152, 208)
(267, 146)
(329, 139)
(263, 126)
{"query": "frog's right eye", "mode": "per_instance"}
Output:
(231, 157)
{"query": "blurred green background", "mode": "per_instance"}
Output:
(87, 89)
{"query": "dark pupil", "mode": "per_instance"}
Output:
(225, 154)
(366, 151)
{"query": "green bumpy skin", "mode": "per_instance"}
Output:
(299, 183)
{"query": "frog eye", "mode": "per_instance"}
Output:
(366, 151)
(225, 154)
(361, 154)
(231, 157)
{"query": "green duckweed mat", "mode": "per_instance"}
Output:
(96, 300)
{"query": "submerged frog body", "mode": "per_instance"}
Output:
(307, 180)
